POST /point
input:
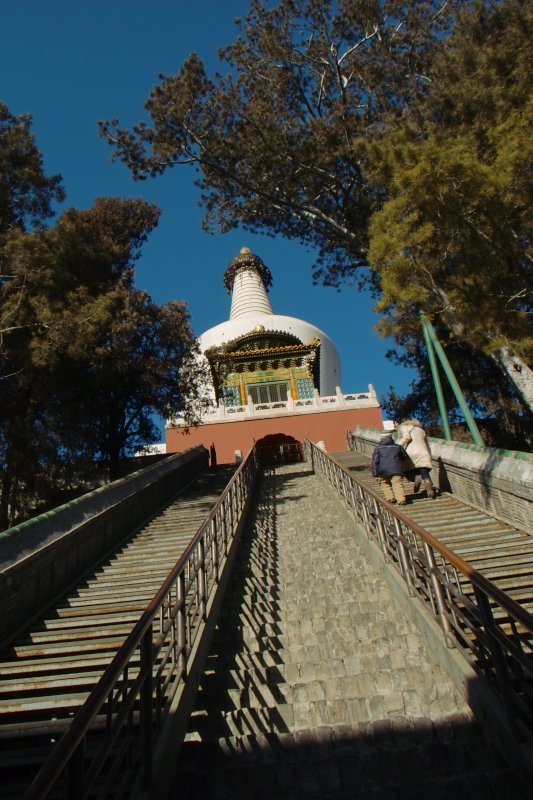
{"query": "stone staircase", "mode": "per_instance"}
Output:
(317, 686)
(48, 671)
(501, 553)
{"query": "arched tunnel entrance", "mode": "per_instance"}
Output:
(279, 448)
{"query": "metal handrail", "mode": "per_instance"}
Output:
(491, 629)
(132, 698)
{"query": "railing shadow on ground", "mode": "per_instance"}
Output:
(255, 576)
(489, 629)
(483, 480)
(443, 480)
(391, 759)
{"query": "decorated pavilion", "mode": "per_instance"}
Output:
(274, 378)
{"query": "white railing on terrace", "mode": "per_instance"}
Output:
(311, 405)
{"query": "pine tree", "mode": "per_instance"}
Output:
(454, 236)
(90, 358)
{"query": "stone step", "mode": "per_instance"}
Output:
(486, 543)
(395, 759)
(48, 672)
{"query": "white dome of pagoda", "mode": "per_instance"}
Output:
(251, 316)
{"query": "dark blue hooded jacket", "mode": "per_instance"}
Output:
(388, 459)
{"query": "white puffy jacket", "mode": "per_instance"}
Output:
(414, 440)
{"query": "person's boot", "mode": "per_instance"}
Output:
(430, 489)
(417, 484)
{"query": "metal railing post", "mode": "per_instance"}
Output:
(146, 708)
(241, 492)
(224, 524)
(439, 596)
(365, 515)
(498, 659)
(344, 482)
(214, 548)
(353, 502)
(202, 598)
(75, 774)
(181, 626)
(336, 476)
(231, 508)
(381, 529)
(404, 558)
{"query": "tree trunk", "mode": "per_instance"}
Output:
(518, 372)
(115, 471)
(5, 498)
(515, 369)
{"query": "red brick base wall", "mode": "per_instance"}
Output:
(227, 437)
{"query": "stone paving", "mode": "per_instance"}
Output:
(317, 685)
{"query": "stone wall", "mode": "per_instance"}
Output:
(498, 482)
(41, 558)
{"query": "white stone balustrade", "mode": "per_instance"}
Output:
(311, 405)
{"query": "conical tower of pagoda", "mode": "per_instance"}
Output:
(248, 279)
(261, 357)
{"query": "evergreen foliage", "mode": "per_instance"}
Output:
(86, 358)
(454, 235)
(26, 193)
(275, 136)
(394, 137)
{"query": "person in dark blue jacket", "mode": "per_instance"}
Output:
(387, 465)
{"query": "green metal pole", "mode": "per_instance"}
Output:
(472, 427)
(436, 380)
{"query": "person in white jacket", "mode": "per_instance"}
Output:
(413, 438)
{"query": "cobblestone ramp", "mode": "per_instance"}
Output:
(317, 686)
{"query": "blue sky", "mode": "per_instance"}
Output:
(72, 62)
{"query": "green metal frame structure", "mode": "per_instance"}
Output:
(434, 348)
